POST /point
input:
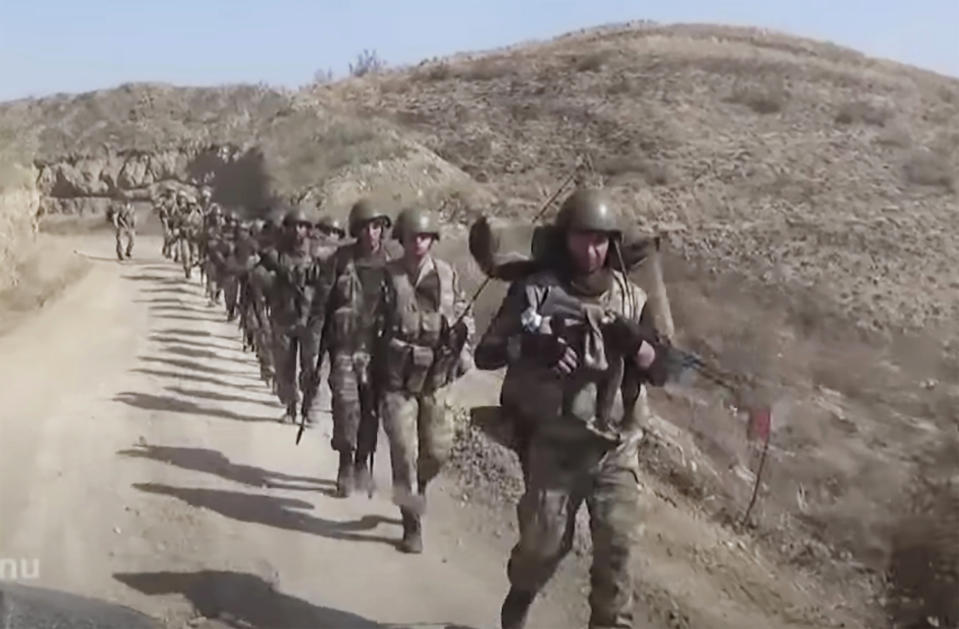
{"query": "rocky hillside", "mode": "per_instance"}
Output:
(797, 163)
(249, 143)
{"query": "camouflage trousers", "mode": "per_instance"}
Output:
(211, 284)
(355, 415)
(420, 432)
(188, 254)
(128, 236)
(231, 290)
(560, 476)
(295, 346)
(167, 249)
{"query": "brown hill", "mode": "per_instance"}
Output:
(809, 193)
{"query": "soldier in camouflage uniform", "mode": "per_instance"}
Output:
(262, 280)
(565, 389)
(426, 323)
(191, 224)
(125, 224)
(212, 232)
(295, 342)
(326, 237)
(350, 290)
(330, 227)
(226, 267)
(246, 258)
(164, 209)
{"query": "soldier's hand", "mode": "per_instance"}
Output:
(645, 355)
(568, 360)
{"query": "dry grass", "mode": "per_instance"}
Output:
(46, 268)
(861, 112)
(928, 168)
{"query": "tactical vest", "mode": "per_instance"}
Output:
(416, 329)
(354, 299)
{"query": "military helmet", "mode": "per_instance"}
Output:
(416, 221)
(364, 211)
(294, 217)
(206, 193)
(589, 209)
(331, 224)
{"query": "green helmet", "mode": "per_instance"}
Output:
(331, 224)
(416, 221)
(589, 209)
(362, 212)
(294, 217)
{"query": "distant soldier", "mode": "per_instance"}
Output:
(325, 237)
(125, 225)
(350, 291)
(567, 390)
(212, 232)
(424, 347)
(226, 267)
(262, 281)
(191, 225)
(164, 210)
(295, 342)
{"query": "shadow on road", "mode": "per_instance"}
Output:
(190, 352)
(222, 397)
(242, 600)
(176, 340)
(214, 462)
(185, 332)
(191, 377)
(150, 402)
(200, 313)
(193, 366)
(278, 512)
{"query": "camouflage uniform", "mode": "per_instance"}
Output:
(125, 223)
(164, 210)
(191, 224)
(294, 341)
(421, 305)
(350, 292)
(262, 280)
(580, 431)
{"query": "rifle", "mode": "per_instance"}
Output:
(672, 364)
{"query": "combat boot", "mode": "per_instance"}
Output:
(412, 541)
(516, 609)
(363, 475)
(344, 476)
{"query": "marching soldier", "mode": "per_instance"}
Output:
(345, 307)
(125, 224)
(565, 391)
(424, 347)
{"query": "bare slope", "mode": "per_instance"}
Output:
(792, 162)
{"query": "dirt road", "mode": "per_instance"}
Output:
(143, 463)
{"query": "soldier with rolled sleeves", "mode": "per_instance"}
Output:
(424, 347)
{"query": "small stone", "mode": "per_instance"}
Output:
(116, 529)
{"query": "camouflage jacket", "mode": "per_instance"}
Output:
(417, 312)
(349, 295)
(295, 276)
(124, 217)
(588, 401)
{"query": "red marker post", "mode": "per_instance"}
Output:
(759, 428)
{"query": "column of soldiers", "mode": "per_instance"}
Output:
(397, 331)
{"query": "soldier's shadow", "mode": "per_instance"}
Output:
(278, 512)
(150, 402)
(214, 462)
(242, 600)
